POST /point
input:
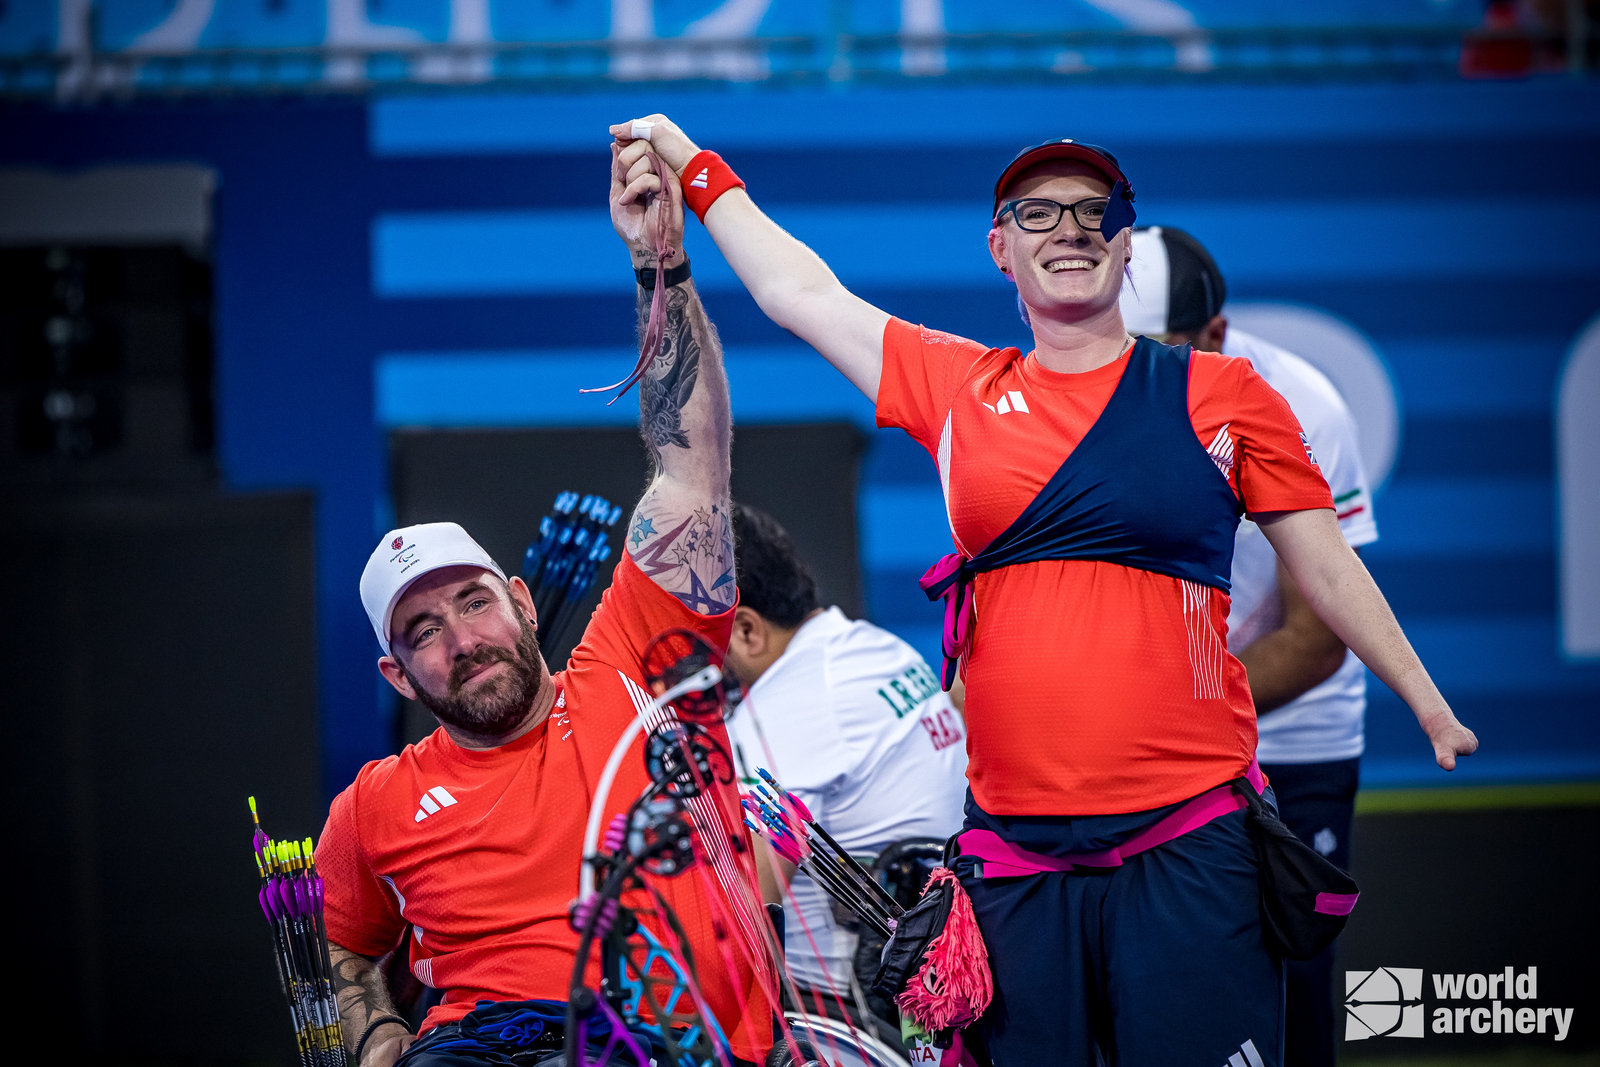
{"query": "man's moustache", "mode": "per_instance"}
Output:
(481, 658)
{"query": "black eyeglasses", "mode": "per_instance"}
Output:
(1036, 215)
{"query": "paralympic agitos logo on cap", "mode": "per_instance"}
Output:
(405, 555)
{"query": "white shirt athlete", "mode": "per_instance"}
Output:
(852, 721)
(1324, 723)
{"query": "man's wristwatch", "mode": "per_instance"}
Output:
(671, 276)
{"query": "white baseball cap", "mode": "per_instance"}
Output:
(407, 554)
(1173, 284)
(1145, 287)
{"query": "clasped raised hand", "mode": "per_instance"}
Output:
(643, 202)
(669, 142)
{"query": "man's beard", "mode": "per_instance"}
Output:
(500, 704)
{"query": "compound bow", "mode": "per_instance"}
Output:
(649, 986)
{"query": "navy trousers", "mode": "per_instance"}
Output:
(522, 1033)
(1318, 802)
(1160, 961)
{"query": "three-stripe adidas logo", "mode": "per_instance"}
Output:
(700, 180)
(1247, 1056)
(1011, 401)
(434, 799)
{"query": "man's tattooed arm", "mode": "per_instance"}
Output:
(359, 988)
(681, 534)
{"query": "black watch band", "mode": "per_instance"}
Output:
(373, 1025)
(673, 276)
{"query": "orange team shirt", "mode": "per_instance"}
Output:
(1092, 688)
(484, 870)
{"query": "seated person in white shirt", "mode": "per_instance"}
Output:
(1310, 691)
(850, 719)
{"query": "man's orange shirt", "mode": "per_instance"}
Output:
(1092, 688)
(479, 850)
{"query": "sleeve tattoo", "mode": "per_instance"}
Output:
(359, 988)
(666, 387)
(687, 551)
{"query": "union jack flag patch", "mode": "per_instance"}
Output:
(1306, 444)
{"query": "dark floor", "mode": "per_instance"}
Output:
(1464, 892)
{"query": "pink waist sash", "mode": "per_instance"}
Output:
(1002, 859)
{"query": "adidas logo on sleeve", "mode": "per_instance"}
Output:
(700, 179)
(433, 800)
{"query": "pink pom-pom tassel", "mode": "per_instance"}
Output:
(953, 987)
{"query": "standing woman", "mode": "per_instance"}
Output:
(1093, 487)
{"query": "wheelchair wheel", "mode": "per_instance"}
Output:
(830, 1043)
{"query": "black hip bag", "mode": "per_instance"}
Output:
(1305, 899)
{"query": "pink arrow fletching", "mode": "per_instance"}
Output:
(804, 812)
(787, 848)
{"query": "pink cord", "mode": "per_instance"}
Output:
(656, 327)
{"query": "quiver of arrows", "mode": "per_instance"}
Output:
(561, 564)
(291, 900)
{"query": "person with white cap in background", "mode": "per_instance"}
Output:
(472, 838)
(1310, 690)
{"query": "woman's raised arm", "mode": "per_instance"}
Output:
(789, 282)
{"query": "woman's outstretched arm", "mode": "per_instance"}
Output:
(1336, 583)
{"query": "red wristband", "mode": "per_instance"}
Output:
(704, 179)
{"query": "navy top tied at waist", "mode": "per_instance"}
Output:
(1139, 490)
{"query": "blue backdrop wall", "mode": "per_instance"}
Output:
(445, 260)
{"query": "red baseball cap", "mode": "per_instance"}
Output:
(1065, 148)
